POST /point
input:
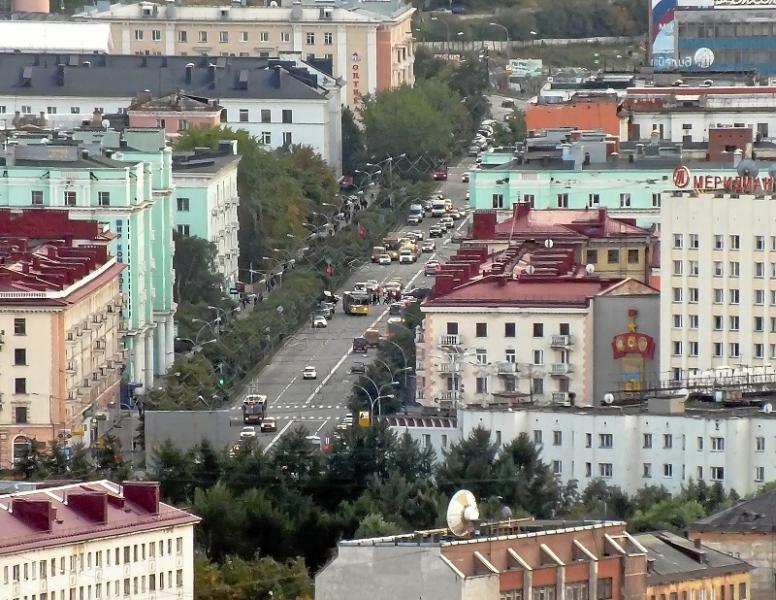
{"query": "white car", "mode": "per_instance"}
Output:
(418, 235)
(247, 432)
(384, 259)
(373, 286)
(309, 372)
(319, 321)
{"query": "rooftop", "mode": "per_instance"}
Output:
(672, 559)
(232, 77)
(205, 160)
(175, 102)
(77, 513)
(44, 35)
(756, 515)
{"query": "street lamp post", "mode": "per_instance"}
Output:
(509, 40)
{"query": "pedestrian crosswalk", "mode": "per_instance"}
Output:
(297, 417)
(302, 406)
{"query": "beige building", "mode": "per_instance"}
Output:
(369, 43)
(718, 271)
(60, 316)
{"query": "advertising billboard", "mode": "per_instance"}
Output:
(661, 34)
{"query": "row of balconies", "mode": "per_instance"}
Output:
(458, 396)
(504, 368)
(455, 340)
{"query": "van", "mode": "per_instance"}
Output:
(438, 208)
(416, 215)
(448, 205)
(376, 252)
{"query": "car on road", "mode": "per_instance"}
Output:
(373, 286)
(508, 104)
(465, 178)
(319, 321)
(385, 259)
(431, 268)
(457, 214)
(248, 432)
(436, 231)
(359, 286)
(419, 235)
(268, 425)
(360, 345)
(314, 441)
(428, 246)
(358, 367)
(440, 173)
(457, 238)
(377, 251)
(309, 372)
(447, 222)
(473, 150)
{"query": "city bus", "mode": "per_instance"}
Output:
(355, 303)
(254, 407)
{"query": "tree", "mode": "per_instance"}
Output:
(353, 149)
(375, 525)
(672, 515)
(411, 461)
(196, 277)
(31, 464)
(296, 462)
(240, 579)
(470, 464)
(222, 519)
(173, 469)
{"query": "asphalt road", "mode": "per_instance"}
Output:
(320, 404)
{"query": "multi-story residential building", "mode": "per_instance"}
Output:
(718, 270)
(128, 187)
(369, 43)
(507, 560)
(276, 101)
(60, 317)
(95, 540)
(661, 441)
(175, 113)
(523, 325)
(206, 202)
(614, 248)
(747, 531)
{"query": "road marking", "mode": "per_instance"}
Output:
(322, 426)
(277, 437)
(283, 391)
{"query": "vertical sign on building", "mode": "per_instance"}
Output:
(661, 34)
(355, 80)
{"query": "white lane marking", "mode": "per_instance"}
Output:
(322, 426)
(277, 437)
(283, 391)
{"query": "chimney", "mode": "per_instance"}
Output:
(212, 75)
(443, 283)
(143, 493)
(60, 74)
(189, 71)
(738, 155)
(276, 77)
(484, 224)
(96, 119)
(91, 505)
(37, 514)
(697, 543)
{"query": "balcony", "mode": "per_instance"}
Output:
(561, 341)
(560, 397)
(450, 340)
(449, 395)
(560, 369)
(448, 367)
(506, 368)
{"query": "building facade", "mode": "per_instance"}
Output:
(368, 43)
(276, 101)
(175, 113)
(132, 192)
(96, 540)
(60, 313)
(659, 442)
(206, 202)
(718, 268)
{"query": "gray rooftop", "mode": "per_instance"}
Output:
(215, 77)
(757, 515)
(671, 559)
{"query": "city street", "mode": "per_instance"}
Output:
(320, 404)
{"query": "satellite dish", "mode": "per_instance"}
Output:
(747, 168)
(608, 398)
(106, 123)
(589, 269)
(548, 244)
(462, 512)
(530, 269)
(767, 408)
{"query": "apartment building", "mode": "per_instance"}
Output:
(280, 102)
(661, 441)
(523, 325)
(60, 317)
(506, 560)
(175, 113)
(95, 540)
(718, 265)
(368, 43)
(125, 181)
(206, 202)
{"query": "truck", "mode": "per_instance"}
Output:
(438, 207)
(254, 408)
(415, 216)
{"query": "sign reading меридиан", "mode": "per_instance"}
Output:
(744, 3)
(738, 184)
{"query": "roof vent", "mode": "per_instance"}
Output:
(143, 493)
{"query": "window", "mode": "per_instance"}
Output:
(538, 357)
(717, 473)
(759, 297)
(51, 110)
(735, 268)
(719, 242)
(693, 295)
(605, 440)
(655, 200)
(694, 269)
(481, 356)
(285, 36)
(668, 470)
(647, 440)
(678, 240)
(310, 38)
(633, 256)
(759, 443)
(139, 35)
(734, 296)
(20, 385)
(70, 198)
(202, 37)
(759, 269)
(20, 356)
(103, 198)
(183, 205)
(676, 348)
(510, 356)
(36, 197)
(537, 436)
(543, 593)
(557, 438)
(625, 200)
(677, 320)
(529, 199)
(509, 330)
(605, 470)
(677, 267)
(734, 350)
(266, 138)
(481, 330)
(693, 321)
(759, 474)
(588, 469)
(742, 586)
(563, 200)
(223, 37)
(287, 139)
(20, 414)
(156, 35)
(538, 330)
(328, 38)
(183, 37)
(592, 256)
(692, 348)
(498, 200)
(481, 385)
(243, 115)
(734, 323)
(593, 199)
(266, 115)
(184, 230)
(613, 256)
(694, 244)
(718, 269)
(718, 297)
(676, 294)
(717, 444)
(668, 440)
(452, 328)
(735, 242)
(288, 115)
(646, 470)
(557, 467)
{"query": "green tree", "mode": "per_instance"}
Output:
(375, 525)
(296, 462)
(240, 579)
(173, 469)
(672, 515)
(108, 460)
(196, 277)
(353, 149)
(470, 464)
(31, 464)
(411, 461)
(222, 520)
(206, 465)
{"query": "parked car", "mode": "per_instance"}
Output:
(360, 345)
(465, 178)
(428, 246)
(319, 321)
(309, 372)
(436, 231)
(431, 268)
(376, 252)
(358, 367)
(247, 432)
(268, 425)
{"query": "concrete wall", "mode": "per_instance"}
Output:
(389, 573)
(186, 429)
(610, 315)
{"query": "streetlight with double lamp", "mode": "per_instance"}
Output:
(509, 39)
(373, 401)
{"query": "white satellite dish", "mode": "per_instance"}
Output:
(462, 512)
(590, 269)
(530, 269)
(548, 243)
(767, 408)
(608, 398)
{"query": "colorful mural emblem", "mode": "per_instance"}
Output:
(632, 349)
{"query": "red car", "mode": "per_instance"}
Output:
(440, 174)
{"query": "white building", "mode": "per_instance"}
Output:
(206, 203)
(656, 443)
(95, 540)
(718, 266)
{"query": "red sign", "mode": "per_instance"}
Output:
(633, 343)
(681, 177)
(740, 184)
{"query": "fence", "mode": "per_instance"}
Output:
(503, 45)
